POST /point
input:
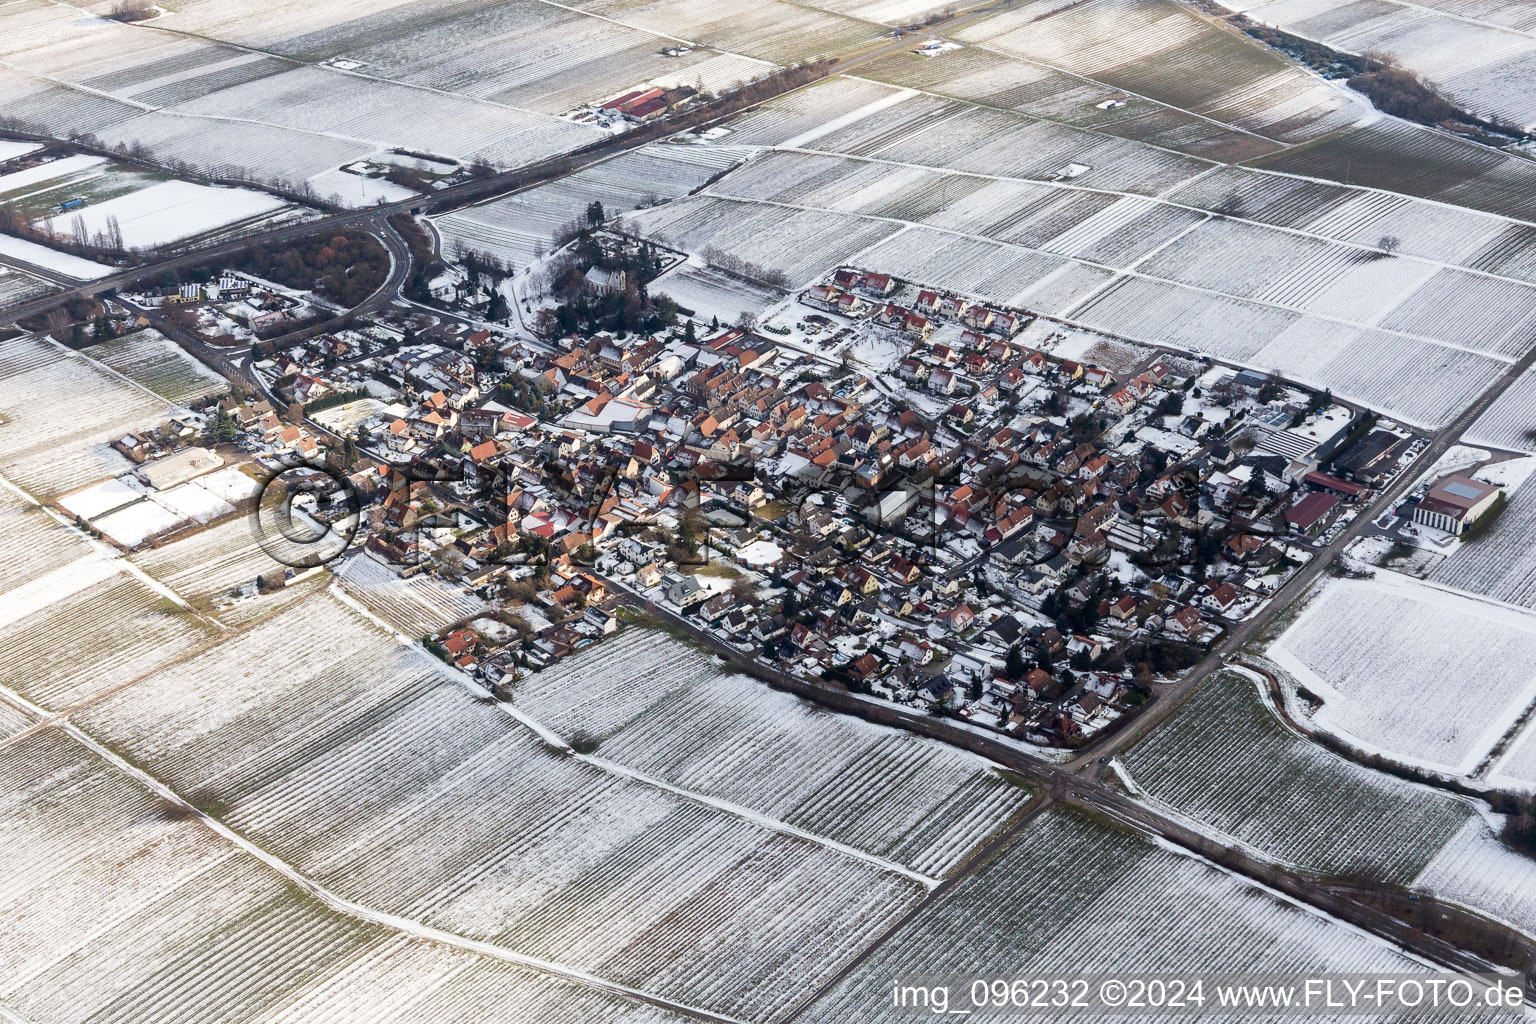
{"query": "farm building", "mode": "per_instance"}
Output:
(1454, 504)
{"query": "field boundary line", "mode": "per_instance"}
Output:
(394, 922)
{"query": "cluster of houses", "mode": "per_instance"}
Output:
(1028, 557)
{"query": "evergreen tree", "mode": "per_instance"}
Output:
(1016, 666)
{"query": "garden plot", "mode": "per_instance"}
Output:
(1071, 889)
(526, 224)
(1225, 761)
(137, 523)
(1422, 675)
(99, 499)
(208, 567)
(60, 413)
(84, 643)
(418, 605)
(151, 359)
(1500, 564)
(802, 244)
(17, 287)
(353, 758)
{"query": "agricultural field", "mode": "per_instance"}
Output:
(357, 760)
(802, 244)
(1476, 870)
(207, 568)
(712, 293)
(153, 361)
(58, 414)
(17, 287)
(1484, 58)
(524, 226)
(654, 704)
(123, 885)
(1226, 761)
(1102, 900)
(1510, 422)
(1397, 156)
(67, 264)
(991, 78)
(1422, 675)
(416, 606)
(77, 632)
(1501, 564)
(1166, 53)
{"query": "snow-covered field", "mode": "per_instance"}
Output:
(99, 499)
(17, 287)
(1423, 675)
(1070, 889)
(1479, 871)
(325, 741)
(1225, 761)
(60, 652)
(712, 294)
(173, 210)
(129, 908)
(149, 358)
(58, 414)
(422, 604)
(518, 226)
(207, 567)
(1500, 564)
(663, 708)
(51, 259)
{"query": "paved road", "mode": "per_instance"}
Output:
(1062, 783)
(1169, 699)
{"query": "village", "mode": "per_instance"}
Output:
(961, 508)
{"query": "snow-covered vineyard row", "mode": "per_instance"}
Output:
(60, 412)
(1488, 61)
(121, 886)
(1159, 49)
(1225, 761)
(207, 565)
(1424, 675)
(35, 543)
(1502, 563)
(663, 708)
(69, 645)
(1399, 156)
(520, 226)
(1510, 422)
(800, 243)
(321, 739)
(416, 606)
(150, 359)
(992, 78)
(1326, 313)
(17, 287)
(1102, 900)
